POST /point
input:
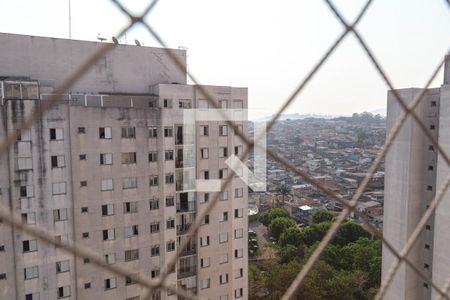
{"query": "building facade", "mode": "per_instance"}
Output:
(114, 166)
(414, 173)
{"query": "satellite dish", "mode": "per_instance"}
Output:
(137, 43)
(115, 41)
(101, 39)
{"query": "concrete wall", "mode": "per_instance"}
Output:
(127, 68)
(409, 186)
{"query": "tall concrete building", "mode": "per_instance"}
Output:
(113, 167)
(414, 173)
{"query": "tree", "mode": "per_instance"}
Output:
(322, 215)
(282, 190)
(291, 236)
(272, 214)
(288, 253)
(350, 232)
(279, 225)
(314, 233)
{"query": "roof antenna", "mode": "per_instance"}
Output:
(115, 41)
(137, 43)
(101, 39)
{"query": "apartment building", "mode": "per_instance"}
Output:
(414, 173)
(115, 167)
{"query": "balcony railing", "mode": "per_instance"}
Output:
(187, 271)
(183, 229)
(187, 207)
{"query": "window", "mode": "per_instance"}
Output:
(110, 283)
(238, 213)
(86, 260)
(240, 129)
(110, 258)
(429, 188)
(87, 285)
(82, 156)
(24, 163)
(427, 246)
(83, 183)
(56, 134)
(237, 150)
(168, 155)
(29, 246)
(108, 210)
(3, 276)
(223, 152)
(204, 174)
(154, 227)
(81, 130)
(85, 235)
(154, 204)
(205, 198)
(206, 220)
(205, 283)
(223, 130)
(238, 193)
(168, 132)
(223, 104)
(131, 255)
(204, 241)
(153, 132)
(130, 207)
(167, 103)
(60, 214)
(25, 135)
(170, 223)
(31, 272)
(62, 266)
(223, 196)
(428, 227)
(239, 233)
(84, 209)
(202, 104)
(238, 293)
(223, 259)
(431, 147)
(223, 297)
(170, 201)
(205, 262)
(169, 178)
(131, 279)
(59, 239)
(238, 253)
(106, 159)
(2, 248)
(153, 156)
(238, 104)
(34, 296)
(107, 185)
(238, 273)
(59, 188)
(128, 132)
(224, 217)
(128, 158)
(129, 183)
(223, 173)
(184, 103)
(57, 161)
(430, 168)
(433, 103)
(108, 234)
(223, 237)
(204, 130)
(170, 246)
(426, 266)
(204, 153)
(105, 133)
(154, 180)
(29, 218)
(432, 127)
(129, 231)
(223, 279)
(64, 291)
(154, 250)
(26, 191)
(155, 272)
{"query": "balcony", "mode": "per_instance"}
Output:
(183, 228)
(187, 271)
(185, 206)
(190, 250)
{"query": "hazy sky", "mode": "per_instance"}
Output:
(268, 46)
